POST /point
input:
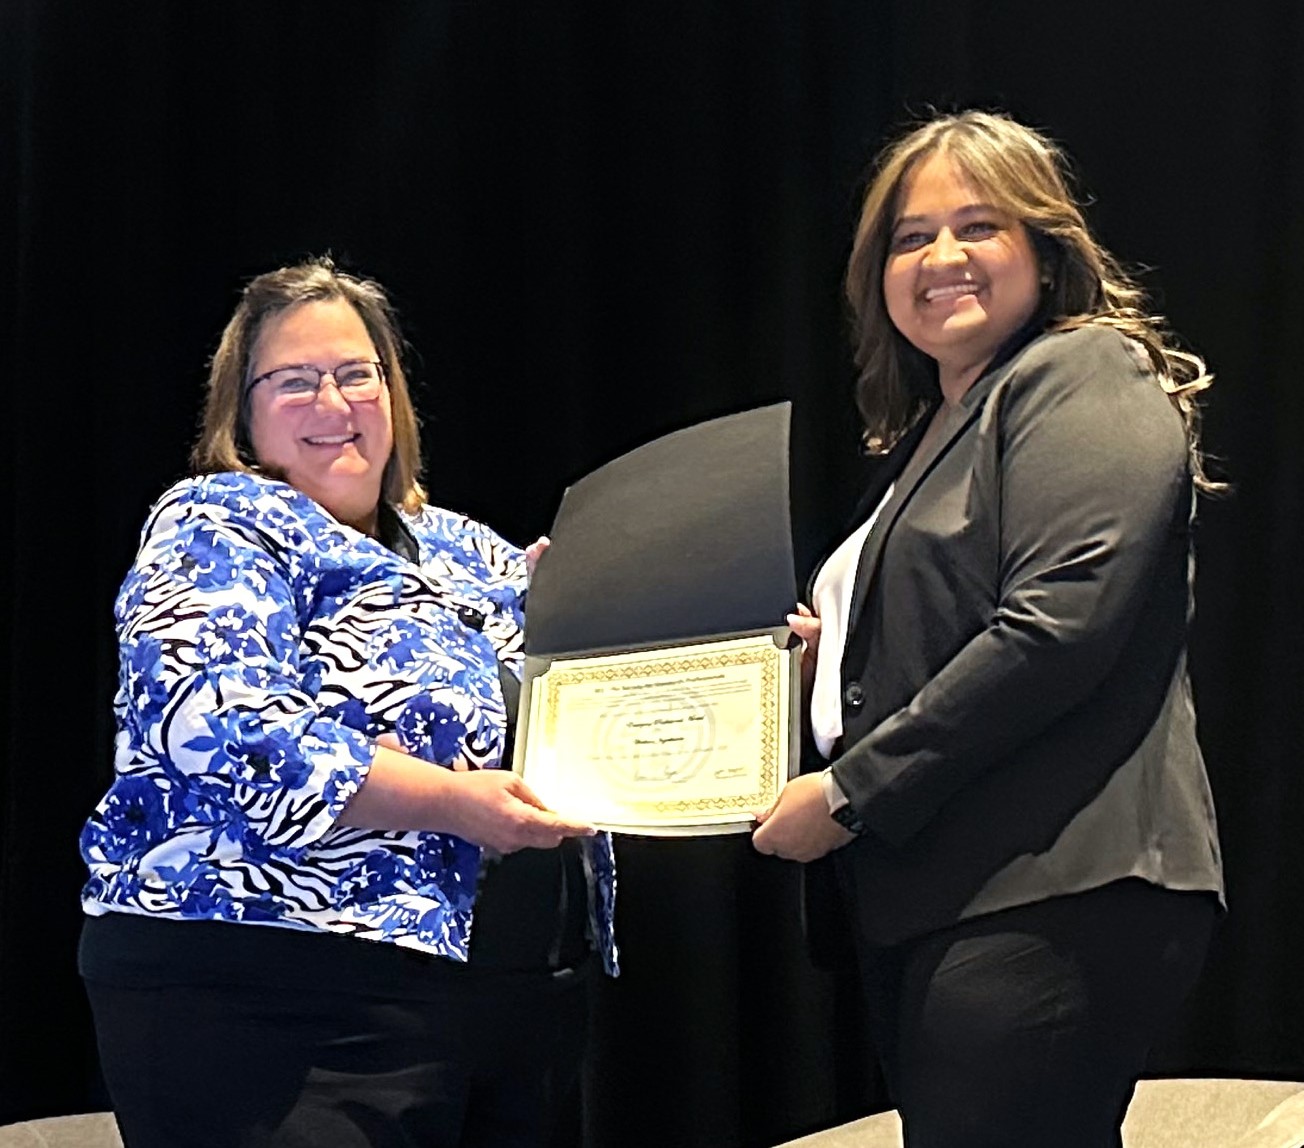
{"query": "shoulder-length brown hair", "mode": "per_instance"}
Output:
(224, 442)
(1024, 173)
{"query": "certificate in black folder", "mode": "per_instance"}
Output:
(661, 685)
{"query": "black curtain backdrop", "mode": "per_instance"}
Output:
(601, 225)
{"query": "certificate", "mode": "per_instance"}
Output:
(676, 740)
(658, 692)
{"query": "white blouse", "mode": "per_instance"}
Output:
(831, 602)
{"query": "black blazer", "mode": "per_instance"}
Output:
(1017, 718)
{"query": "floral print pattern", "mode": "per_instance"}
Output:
(263, 647)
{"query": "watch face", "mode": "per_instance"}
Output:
(847, 817)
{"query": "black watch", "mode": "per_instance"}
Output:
(849, 819)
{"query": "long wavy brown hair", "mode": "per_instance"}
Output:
(1024, 173)
(224, 443)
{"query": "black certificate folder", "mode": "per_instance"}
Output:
(658, 660)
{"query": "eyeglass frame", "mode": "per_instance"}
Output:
(321, 377)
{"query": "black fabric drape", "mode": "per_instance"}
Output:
(600, 225)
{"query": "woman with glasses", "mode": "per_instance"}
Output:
(1006, 770)
(319, 912)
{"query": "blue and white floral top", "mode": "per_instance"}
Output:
(263, 646)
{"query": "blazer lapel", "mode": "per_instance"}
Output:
(873, 494)
(916, 468)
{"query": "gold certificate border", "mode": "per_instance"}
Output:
(765, 654)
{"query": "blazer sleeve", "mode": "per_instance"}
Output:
(1093, 486)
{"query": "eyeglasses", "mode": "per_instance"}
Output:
(358, 381)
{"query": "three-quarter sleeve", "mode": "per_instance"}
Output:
(212, 692)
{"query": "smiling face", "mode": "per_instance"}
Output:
(961, 275)
(333, 450)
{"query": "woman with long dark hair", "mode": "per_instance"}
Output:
(1005, 766)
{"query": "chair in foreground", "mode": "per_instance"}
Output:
(88, 1130)
(1178, 1113)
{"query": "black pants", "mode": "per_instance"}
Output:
(1029, 1028)
(479, 1062)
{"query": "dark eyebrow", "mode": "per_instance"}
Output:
(968, 209)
